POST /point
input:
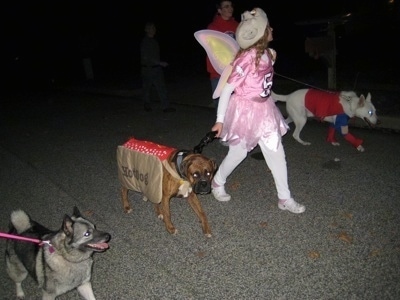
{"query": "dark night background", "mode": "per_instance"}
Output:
(46, 41)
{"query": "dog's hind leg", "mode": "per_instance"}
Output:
(16, 271)
(299, 127)
(299, 117)
(196, 206)
(125, 200)
(164, 213)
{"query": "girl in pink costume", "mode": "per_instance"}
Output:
(247, 115)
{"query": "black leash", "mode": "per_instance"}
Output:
(209, 137)
(303, 83)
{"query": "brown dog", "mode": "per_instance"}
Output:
(181, 174)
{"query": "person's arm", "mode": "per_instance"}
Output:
(222, 107)
(223, 101)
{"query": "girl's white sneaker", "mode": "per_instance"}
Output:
(220, 194)
(291, 206)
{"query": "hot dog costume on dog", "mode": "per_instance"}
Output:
(140, 168)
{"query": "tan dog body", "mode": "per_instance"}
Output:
(196, 172)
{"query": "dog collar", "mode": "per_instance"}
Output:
(49, 246)
(180, 156)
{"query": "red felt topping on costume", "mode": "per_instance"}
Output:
(146, 147)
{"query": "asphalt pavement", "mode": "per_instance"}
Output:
(58, 149)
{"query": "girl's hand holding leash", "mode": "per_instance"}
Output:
(218, 128)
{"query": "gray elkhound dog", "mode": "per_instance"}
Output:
(63, 264)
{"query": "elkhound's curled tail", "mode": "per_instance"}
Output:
(20, 220)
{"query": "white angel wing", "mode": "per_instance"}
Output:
(222, 81)
(221, 49)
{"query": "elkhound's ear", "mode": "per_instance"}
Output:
(361, 101)
(67, 226)
(76, 213)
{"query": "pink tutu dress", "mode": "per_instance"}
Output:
(251, 114)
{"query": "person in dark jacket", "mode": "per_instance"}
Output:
(152, 69)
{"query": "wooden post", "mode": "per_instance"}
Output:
(332, 58)
(317, 46)
(87, 65)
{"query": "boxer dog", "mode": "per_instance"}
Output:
(335, 108)
(182, 174)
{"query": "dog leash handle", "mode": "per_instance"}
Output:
(209, 137)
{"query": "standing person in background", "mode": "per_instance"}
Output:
(224, 22)
(247, 115)
(152, 69)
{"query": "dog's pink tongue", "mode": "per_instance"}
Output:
(100, 246)
(103, 245)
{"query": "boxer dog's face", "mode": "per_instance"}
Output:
(200, 171)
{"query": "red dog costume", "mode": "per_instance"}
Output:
(323, 104)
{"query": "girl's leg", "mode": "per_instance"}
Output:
(236, 154)
(276, 161)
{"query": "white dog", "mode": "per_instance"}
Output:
(335, 108)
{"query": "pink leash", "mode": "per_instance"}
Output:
(22, 238)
